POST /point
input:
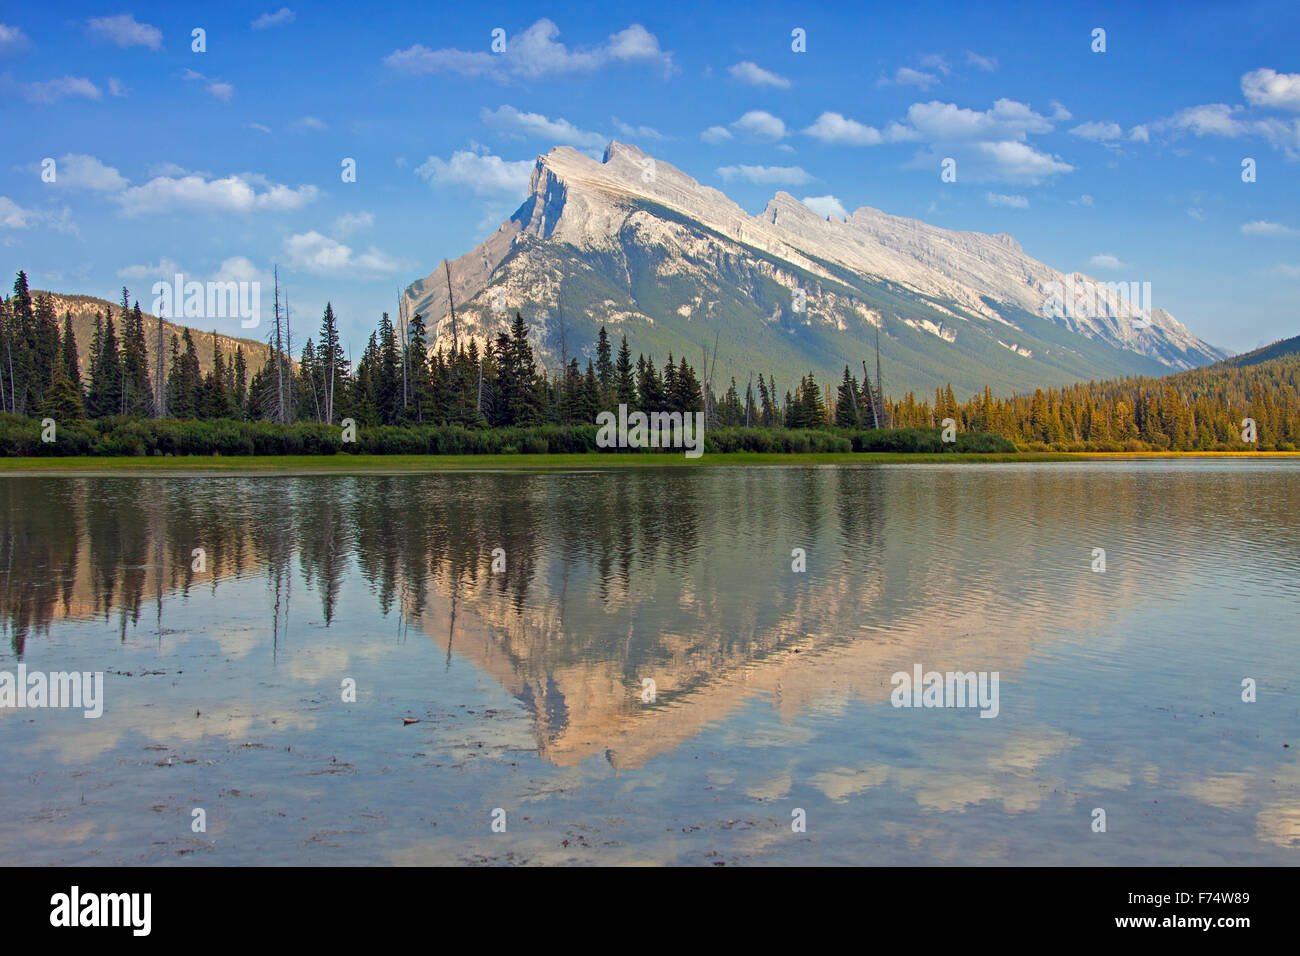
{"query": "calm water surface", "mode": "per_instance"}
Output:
(1119, 690)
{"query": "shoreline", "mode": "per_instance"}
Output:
(294, 465)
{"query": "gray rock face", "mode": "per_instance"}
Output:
(634, 243)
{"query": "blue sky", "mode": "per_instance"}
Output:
(1124, 164)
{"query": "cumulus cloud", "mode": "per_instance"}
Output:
(1269, 88)
(755, 75)
(163, 195)
(267, 20)
(79, 171)
(835, 129)
(761, 124)
(716, 134)
(512, 122)
(1007, 120)
(766, 175)
(1104, 260)
(1000, 199)
(1098, 132)
(481, 173)
(988, 145)
(320, 255)
(51, 91)
(533, 54)
(1210, 119)
(825, 206)
(124, 31)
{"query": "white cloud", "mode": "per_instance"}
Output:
(123, 31)
(533, 54)
(51, 91)
(1098, 132)
(755, 75)
(167, 194)
(716, 134)
(1104, 260)
(1291, 272)
(637, 132)
(308, 122)
(260, 127)
(906, 76)
(1140, 134)
(116, 87)
(760, 123)
(12, 39)
(1211, 119)
(240, 269)
(1000, 199)
(512, 122)
(833, 128)
(986, 63)
(1269, 230)
(482, 173)
(1019, 162)
(792, 175)
(1084, 200)
(165, 269)
(222, 91)
(79, 171)
(349, 223)
(1007, 120)
(1267, 87)
(825, 206)
(14, 216)
(320, 255)
(988, 145)
(279, 18)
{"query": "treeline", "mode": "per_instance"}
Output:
(399, 379)
(1197, 410)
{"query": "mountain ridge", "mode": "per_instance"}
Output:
(635, 244)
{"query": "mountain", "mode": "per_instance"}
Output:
(637, 245)
(84, 308)
(1277, 350)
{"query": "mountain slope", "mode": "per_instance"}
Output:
(639, 246)
(84, 308)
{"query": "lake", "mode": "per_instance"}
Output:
(637, 665)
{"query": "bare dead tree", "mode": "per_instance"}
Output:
(162, 385)
(451, 306)
(279, 368)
